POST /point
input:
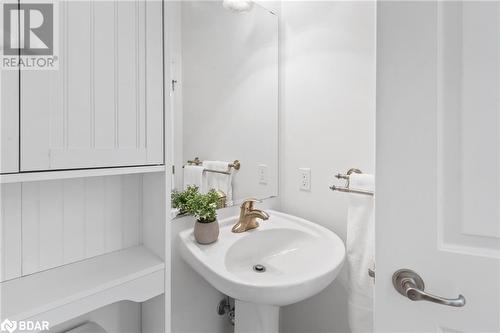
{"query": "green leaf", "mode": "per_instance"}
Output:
(202, 206)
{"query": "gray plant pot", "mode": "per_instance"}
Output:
(206, 233)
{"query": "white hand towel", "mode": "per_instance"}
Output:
(360, 254)
(193, 175)
(220, 181)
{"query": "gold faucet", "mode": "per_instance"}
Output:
(249, 216)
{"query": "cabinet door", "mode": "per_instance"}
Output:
(9, 120)
(103, 106)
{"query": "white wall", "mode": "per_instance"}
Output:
(327, 124)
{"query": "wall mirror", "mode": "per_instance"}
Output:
(225, 100)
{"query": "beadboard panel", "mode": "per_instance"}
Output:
(132, 210)
(9, 121)
(94, 111)
(10, 199)
(46, 224)
(74, 219)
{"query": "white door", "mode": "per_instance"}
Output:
(438, 164)
(103, 107)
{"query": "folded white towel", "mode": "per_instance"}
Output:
(360, 254)
(193, 175)
(219, 181)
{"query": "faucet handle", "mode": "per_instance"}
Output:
(248, 203)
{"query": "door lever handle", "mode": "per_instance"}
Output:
(410, 284)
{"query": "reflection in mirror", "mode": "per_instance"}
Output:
(226, 101)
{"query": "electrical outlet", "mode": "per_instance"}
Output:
(305, 179)
(262, 172)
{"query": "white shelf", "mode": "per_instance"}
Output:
(65, 292)
(65, 174)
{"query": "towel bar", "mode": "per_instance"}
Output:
(235, 165)
(346, 188)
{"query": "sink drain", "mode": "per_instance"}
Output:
(259, 268)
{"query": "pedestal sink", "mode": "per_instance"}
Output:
(286, 260)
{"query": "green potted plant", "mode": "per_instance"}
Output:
(203, 207)
(180, 199)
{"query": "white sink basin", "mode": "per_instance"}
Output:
(300, 258)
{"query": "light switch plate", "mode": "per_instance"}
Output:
(262, 173)
(305, 179)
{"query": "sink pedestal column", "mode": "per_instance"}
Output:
(252, 318)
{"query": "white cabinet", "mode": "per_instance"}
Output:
(9, 120)
(103, 107)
